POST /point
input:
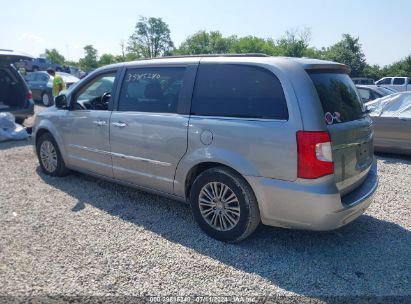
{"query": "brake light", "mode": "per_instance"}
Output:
(29, 95)
(314, 154)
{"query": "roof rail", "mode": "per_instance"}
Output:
(210, 55)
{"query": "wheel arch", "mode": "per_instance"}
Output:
(47, 127)
(199, 168)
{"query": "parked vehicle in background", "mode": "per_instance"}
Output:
(41, 84)
(242, 138)
(391, 117)
(15, 96)
(38, 64)
(399, 84)
(371, 92)
(362, 80)
(74, 71)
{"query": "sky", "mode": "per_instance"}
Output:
(32, 26)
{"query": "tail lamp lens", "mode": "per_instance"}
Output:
(314, 154)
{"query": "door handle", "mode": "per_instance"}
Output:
(100, 123)
(119, 124)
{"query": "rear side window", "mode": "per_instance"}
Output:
(338, 96)
(384, 81)
(399, 81)
(151, 90)
(229, 90)
(31, 77)
(365, 94)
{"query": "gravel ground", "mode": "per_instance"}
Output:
(79, 235)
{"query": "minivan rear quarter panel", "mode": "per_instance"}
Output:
(253, 147)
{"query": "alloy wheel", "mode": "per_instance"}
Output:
(48, 156)
(219, 206)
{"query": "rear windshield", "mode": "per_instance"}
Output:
(338, 96)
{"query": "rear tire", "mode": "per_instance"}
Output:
(50, 159)
(224, 205)
(47, 99)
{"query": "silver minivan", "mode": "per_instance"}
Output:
(243, 138)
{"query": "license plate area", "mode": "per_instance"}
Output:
(364, 155)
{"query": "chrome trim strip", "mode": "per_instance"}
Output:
(151, 161)
(90, 149)
(238, 118)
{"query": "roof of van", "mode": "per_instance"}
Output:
(306, 63)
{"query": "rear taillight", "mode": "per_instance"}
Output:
(314, 154)
(29, 95)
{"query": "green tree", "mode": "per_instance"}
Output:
(151, 38)
(106, 59)
(54, 56)
(89, 61)
(349, 52)
(252, 44)
(312, 52)
(399, 68)
(372, 71)
(294, 43)
(204, 42)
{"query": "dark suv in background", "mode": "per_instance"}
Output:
(38, 64)
(15, 96)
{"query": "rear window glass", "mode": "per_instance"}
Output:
(338, 96)
(230, 90)
(399, 81)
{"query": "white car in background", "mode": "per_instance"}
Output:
(399, 84)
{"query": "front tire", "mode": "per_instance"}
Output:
(47, 99)
(224, 205)
(50, 159)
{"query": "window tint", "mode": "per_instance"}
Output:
(399, 81)
(365, 94)
(384, 81)
(338, 96)
(151, 90)
(90, 97)
(42, 78)
(386, 91)
(238, 91)
(30, 77)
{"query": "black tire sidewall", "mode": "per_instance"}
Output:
(229, 180)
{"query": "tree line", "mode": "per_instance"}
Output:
(151, 38)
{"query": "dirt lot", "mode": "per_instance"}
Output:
(82, 236)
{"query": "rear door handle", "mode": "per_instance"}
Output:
(100, 123)
(119, 124)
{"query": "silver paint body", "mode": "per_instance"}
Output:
(156, 151)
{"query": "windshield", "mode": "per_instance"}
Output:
(386, 91)
(68, 78)
(338, 96)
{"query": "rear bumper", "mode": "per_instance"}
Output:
(24, 112)
(304, 205)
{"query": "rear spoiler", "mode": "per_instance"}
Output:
(323, 67)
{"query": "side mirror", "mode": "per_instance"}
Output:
(106, 97)
(61, 102)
